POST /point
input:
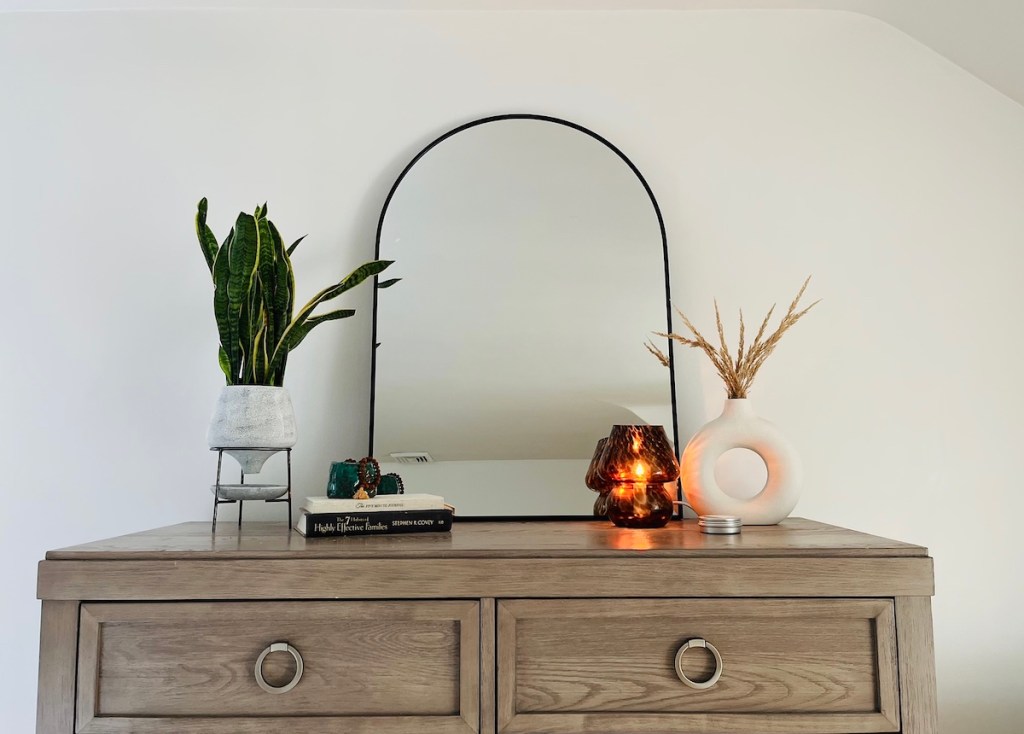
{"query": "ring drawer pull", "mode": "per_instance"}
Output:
(698, 642)
(278, 647)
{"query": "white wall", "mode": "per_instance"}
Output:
(778, 144)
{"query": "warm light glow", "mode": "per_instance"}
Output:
(640, 500)
(633, 540)
(640, 504)
(638, 467)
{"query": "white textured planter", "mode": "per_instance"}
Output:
(740, 428)
(249, 416)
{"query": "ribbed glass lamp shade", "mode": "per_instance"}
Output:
(638, 462)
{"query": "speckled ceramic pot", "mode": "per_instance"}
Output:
(252, 417)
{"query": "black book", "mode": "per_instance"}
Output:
(334, 524)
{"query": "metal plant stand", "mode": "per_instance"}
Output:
(229, 494)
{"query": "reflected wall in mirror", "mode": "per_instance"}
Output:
(534, 264)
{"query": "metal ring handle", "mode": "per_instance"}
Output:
(699, 642)
(279, 647)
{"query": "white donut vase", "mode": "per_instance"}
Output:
(740, 428)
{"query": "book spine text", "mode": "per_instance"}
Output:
(356, 523)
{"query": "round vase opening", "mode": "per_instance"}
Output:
(741, 473)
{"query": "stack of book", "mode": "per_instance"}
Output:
(323, 517)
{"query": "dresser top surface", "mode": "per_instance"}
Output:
(533, 539)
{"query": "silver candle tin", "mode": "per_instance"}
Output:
(720, 524)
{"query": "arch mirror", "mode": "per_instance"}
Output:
(533, 264)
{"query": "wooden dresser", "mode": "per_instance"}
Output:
(538, 627)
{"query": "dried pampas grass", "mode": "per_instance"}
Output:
(738, 372)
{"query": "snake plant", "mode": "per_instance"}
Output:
(253, 297)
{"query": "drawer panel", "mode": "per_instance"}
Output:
(383, 665)
(794, 665)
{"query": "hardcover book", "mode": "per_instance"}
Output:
(380, 503)
(324, 525)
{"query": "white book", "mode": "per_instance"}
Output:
(380, 503)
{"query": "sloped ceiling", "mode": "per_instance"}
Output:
(985, 37)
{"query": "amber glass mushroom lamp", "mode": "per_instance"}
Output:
(638, 463)
(594, 482)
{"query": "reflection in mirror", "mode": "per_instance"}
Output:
(533, 266)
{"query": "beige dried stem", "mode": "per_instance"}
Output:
(737, 372)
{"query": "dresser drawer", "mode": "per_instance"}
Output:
(609, 666)
(380, 667)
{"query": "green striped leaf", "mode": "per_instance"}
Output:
(227, 328)
(207, 241)
(387, 283)
(251, 324)
(287, 274)
(268, 282)
(276, 377)
(225, 365)
(242, 334)
(296, 336)
(357, 276)
(259, 361)
(243, 258)
(284, 296)
(254, 297)
(295, 244)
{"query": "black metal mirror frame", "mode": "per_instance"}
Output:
(664, 249)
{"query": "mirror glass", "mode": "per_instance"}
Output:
(533, 270)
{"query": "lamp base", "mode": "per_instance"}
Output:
(640, 506)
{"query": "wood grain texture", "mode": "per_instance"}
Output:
(55, 708)
(887, 665)
(918, 700)
(608, 660)
(792, 538)
(698, 724)
(472, 578)
(280, 724)
(468, 669)
(195, 661)
(490, 628)
(506, 668)
(88, 683)
(488, 666)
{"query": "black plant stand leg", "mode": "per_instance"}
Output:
(216, 490)
(217, 501)
(288, 455)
